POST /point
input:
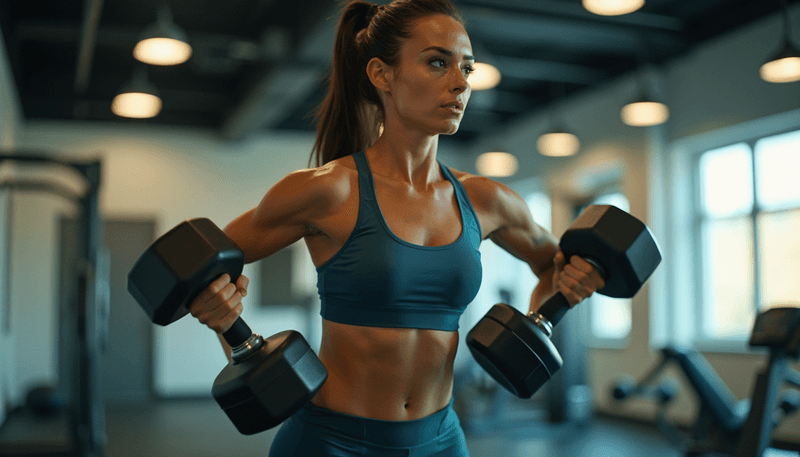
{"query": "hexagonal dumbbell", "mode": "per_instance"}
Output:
(515, 349)
(268, 380)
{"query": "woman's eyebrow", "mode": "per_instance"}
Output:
(447, 52)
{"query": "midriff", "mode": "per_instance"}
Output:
(392, 374)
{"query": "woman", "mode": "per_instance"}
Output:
(394, 236)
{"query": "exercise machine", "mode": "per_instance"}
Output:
(84, 307)
(725, 426)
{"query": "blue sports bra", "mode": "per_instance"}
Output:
(378, 280)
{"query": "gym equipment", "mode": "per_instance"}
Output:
(779, 330)
(725, 426)
(83, 307)
(269, 379)
(515, 349)
(44, 400)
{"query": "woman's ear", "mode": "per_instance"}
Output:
(379, 74)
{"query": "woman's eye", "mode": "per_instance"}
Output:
(468, 70)
(438, 63)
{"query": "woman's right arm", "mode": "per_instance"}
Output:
(288, 212)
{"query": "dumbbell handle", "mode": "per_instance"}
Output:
(551, 312)
(242, 340)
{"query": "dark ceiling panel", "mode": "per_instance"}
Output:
(248, 69)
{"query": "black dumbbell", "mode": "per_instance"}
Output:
(515, 349)
(268, 380)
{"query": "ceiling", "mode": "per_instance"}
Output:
(261, 64)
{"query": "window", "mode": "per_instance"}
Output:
(749, 221)
(725, 207)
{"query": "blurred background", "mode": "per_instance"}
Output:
(686, 113)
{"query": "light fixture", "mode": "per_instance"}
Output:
(612, 7)
(497, 164)
(644, 112)
(558, 143)
(138, 99)
(163, 43)
(484, 77)
(784, 66)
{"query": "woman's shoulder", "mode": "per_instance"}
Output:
(494, 201)
(482, 191)
(329, 185)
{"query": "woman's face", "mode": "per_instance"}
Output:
(428, 87)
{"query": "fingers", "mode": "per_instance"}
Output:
(576, 280)
(242, 284)
(220, 304)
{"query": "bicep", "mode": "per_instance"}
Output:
(283, 216)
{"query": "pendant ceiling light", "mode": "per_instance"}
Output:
(644, 112)
(558, 143)
(163, 43)
(497, 164)
(784, 66)
(138, 99)
(484, 77)
(612, 7)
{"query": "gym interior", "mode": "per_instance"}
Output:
(701, 361)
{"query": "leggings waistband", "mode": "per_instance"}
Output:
(398, 434)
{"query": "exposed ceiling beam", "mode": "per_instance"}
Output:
(543, 70)
(573, 11)
(270, 100)
(273, 97)
(527, 26)
(91, 22)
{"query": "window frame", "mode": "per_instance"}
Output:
(681, 292)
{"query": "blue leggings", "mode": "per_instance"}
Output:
(320, 432)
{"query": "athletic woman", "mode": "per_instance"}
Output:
(394, 236)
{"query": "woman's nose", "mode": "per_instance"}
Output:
(459, 81)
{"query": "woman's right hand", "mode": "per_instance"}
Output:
(220, 304)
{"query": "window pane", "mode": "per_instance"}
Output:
(726, 181)
(778, 170)
(779, 253)
(728, 278)
(611, 317)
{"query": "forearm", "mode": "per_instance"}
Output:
(543, 290)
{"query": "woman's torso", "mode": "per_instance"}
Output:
(387, 373)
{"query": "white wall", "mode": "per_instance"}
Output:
(716, 86)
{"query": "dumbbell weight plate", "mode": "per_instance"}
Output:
(513, 350)
(265, 389)
(179, 265)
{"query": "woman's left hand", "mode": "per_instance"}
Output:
(575, 280)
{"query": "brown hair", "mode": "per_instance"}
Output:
(349, 118)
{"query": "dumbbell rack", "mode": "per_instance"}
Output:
(85, 322)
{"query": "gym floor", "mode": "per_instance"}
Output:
(197, 428)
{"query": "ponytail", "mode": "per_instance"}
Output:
(344, 116)
(349, 117)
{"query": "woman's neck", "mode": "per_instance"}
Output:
(403, 158)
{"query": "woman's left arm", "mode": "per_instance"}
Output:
(511, 226)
